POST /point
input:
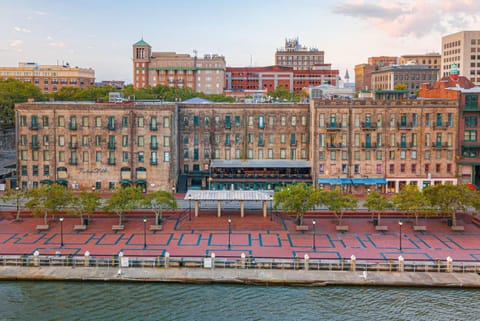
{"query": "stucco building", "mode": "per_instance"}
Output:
(463, 50)
(298, 57)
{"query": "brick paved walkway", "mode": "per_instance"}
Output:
(254, 235)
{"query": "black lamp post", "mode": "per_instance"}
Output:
(17, 190)
(271, 208)
(189, 207)
(144, 232)
(313, 222)
(61, 231)
(400, 223)
(229, 230)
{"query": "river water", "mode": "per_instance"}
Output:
(162, 301)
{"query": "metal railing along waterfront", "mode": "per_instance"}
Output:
(242, 262)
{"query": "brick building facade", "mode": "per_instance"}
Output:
(353, 145)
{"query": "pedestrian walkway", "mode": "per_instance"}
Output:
(255, 235)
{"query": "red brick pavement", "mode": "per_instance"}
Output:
(253, 235)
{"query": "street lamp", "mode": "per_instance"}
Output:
(400, 223)
(17, 190)
(271, 208)
(189, 207)
(144, 232)
(210, 179)
(173, 191)
(313, 222)
(229, 230)
(61, 231)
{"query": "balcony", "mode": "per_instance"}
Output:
(405, 125)
(34, 126)
(111, 145)
(369, 145)
(333, 126)
(440, 145)
(154, 146)
(111, 126)
(111, 161)
(35, 146)
(153, 162)
(336, 146)
(153, 127)
(73, 162)
(368, 126)
(73, 126)
(73, 145)
(443, 126)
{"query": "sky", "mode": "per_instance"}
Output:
(99, 34)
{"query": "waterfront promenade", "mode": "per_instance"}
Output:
(254, 235)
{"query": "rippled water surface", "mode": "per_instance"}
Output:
(159, 301)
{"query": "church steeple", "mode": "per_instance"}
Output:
(346, 77)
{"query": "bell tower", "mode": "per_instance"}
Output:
(142, 52)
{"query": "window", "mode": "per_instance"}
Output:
(23, 170)
(379, 168)
(271, 121)
(391, 155)
(140, 122)
(261, 122)
(140, 141)
(321, 120)
(344, 168)
(46, 155)
(85, 121)
(321, 140)
(304, 120)
(294, 121)
(378, 155)
(166, 157)
(402, 168)
(356, 169)
(470, 135)
(125, 121)
(414, 155)
(344, 155)
(283, 153)
(140, 157)
(250, 120)
(237, 153)
(321, 155)
(427, 120)
(333, 155)
(391, 168)
(367, 155)
(61, 156)
(283, 121)
(61, 140)
(23, 121)
(61, 121)
(98, 156)
(166, 122)
(46, 170)
(195, 154)
(228, 122)
(237, 121)
(438, 168)
(293, 139)
(98, 121)
(414, 168)
(283, 139)
(45, 121)
(166, 141)
(471, 121)
(356, 155)
(237, 138)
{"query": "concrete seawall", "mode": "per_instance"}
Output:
(241, 276)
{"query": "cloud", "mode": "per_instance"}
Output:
(418, 18)
(59, 44)
(18, 29)
(15, 43)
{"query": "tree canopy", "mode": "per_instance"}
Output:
(338, 202)
(48, 198)
(158, 201)
(411, 200)
(297, 199)
(377, 203)
(122, 200)
(14, 91)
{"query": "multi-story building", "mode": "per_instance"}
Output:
(50, 78)
(363, 72)
(463, 50)
(411, 75)
(431, 60)
(468, 151)
(356, 145)
(101, 145)
(298, 57)
(205, 74)
(273, 77)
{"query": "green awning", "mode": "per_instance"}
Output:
(11, 166)
(46, 181)
(62, 182)
(141, 182)
(125, 182)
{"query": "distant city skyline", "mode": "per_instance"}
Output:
(100, 34)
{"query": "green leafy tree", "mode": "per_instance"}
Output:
(14, 91)
(85, 202)
(297, 199)
(158, 201)
(338, 202)
(48, 198)
(16, 196)
(451, 198)
(377, 203)
(411, 201)
(122, 200)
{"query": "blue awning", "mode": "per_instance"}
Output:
(335, 181)
(369, 181)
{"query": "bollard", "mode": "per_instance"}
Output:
(213, 260)
(36, 258)
(401, 264)
(305, 261)
(353, 263)
(86, 259)
(242, 260)
(167, 259)
(449, 264)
